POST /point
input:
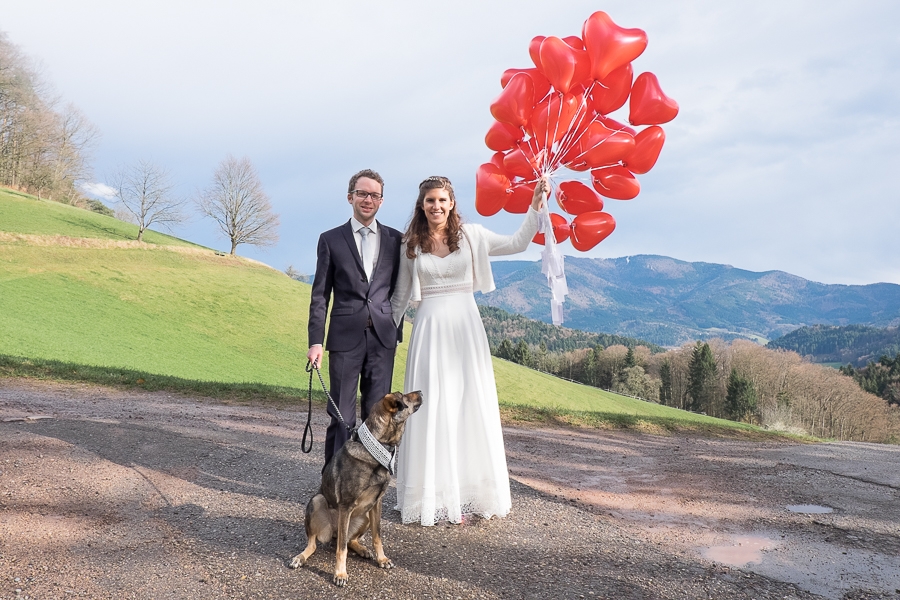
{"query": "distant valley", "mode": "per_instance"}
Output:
(670, 302)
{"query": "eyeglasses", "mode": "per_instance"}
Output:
(361, 195)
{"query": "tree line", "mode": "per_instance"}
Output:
(44, 145)
(856, 344)
(881, 378)
(500, 324)
(738, 380)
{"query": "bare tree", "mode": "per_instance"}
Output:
(43, 150)
(145, 191)
(75, 137)
(237, 203)
(296, 275)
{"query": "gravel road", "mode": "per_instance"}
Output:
(106, 493)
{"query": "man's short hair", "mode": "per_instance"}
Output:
(369, 173)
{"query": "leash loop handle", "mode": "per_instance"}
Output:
(308, 429)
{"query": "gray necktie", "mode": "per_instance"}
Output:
(365, 251)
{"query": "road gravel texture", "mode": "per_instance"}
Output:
(106, 493)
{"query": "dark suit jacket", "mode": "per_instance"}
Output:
(339, 271)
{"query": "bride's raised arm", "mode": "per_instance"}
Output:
(499, 245)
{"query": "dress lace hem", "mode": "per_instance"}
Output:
(477, 507)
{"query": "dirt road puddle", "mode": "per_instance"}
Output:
(747, 549)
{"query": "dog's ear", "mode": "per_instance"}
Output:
(393, 402)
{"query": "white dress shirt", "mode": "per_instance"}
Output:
(373, 241)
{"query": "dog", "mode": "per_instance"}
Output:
(353, 484)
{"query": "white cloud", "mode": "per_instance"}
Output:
(98, 190)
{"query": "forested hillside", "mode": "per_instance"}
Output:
(849, 344)
(738, 380)
(501, 325)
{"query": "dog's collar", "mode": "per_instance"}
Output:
(385, 455)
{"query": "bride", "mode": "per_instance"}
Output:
(452, 461)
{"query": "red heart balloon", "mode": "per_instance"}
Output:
(575, 198)
(649, 105)
(534, 50)
(601, 146)
(582, 76)
(558, 62)
(541, 85)
(574, 41)
(615, 182)
(611, 94)
(591, 228)
(609, 45)
(497, 159)
(647, 146)
(491, 189)
(521, 162)
(560, 230)
(503, 136)
(552, 118)
(515, 102)
(520, 198)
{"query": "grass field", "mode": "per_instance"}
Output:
(170, 314)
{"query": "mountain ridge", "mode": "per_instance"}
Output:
(670, 302)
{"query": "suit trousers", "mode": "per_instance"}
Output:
(369, 367)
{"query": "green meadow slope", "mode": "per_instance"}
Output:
(75, 288)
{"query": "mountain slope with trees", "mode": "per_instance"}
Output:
(502, 325)
(670, 302)
(849, 344)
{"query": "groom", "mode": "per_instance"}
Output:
(357, 263)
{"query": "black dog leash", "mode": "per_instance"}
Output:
(308, 429)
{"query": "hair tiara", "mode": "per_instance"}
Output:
(436, 178)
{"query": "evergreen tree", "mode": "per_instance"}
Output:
(629, 358)
(522, 354)
(740, 403)
(701, 379)
(665, 379)
(589, 369)
(505, 350)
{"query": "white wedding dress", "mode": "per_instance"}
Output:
(452, 461)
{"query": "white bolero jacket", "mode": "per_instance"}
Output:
(485, 243)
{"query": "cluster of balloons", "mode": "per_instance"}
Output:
(555, 116)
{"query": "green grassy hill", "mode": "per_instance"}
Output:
(78, 294)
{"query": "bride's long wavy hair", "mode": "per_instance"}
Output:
(417, 233)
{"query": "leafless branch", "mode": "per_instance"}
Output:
(237, 203)
(146, 192)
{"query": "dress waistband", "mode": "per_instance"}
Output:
(447, 289)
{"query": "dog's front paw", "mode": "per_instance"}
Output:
(340, 579)
(360, 550)
(385, 563)
(298, 561)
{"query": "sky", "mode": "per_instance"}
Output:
(784, 155)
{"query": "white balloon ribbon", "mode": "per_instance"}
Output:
(552, 266)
